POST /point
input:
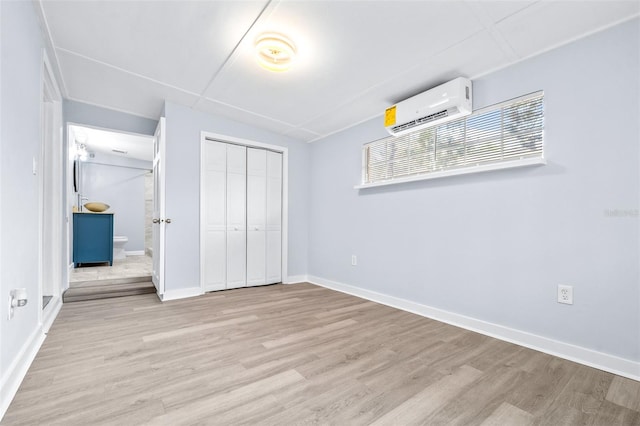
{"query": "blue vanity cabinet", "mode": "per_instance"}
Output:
(92, 238)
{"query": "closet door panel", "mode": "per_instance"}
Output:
(214, 192)
(274, 191)
(256, 216)
(274, 217)
(256, 162)
(215, 264)
(236, 159)
(236, 186)
(256, 202)
(256, 258)
(236, 216)
(236, 259)
(256, 188)
(274, 257)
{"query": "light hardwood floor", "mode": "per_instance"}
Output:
(298, 354)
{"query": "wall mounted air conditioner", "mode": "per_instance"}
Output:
(443, 103)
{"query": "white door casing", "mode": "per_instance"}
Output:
(158, 226)
(52, 209)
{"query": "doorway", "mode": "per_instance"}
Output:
(113, 168)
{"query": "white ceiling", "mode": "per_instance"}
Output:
(139, 147)
(355, 57)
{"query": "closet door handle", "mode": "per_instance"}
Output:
(156, 220)
(168, 220)
(256, 229)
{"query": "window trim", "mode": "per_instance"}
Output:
(455, 172)
(537, 161)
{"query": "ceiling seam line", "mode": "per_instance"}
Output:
(235, 49)
(144, 77)
(251, 112)
(65, 91)
(496, 35)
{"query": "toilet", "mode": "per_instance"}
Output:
(118, 247)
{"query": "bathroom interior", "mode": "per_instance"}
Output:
(111, 197)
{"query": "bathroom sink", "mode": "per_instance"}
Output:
(96, 207)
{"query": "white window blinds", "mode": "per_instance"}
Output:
(502, 133)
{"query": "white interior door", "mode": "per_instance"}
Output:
(256, 216)
(236, 216)
(158, 208)
(215, 221)
(274, 218)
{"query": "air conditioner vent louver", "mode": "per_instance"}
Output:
(421, 120)
(443, 103)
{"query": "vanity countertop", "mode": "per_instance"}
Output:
(87, 212)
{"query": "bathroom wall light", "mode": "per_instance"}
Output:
(82, 152)
(275, 52)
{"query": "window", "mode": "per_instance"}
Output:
(509, 134)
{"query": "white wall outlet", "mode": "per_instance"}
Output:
(565, 294)
(354, 260)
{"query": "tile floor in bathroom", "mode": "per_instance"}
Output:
(130, 267)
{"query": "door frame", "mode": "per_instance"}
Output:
(50, 168)
(216, 137)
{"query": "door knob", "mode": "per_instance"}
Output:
(255, 229)
(156, 220)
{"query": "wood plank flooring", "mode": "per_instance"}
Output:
(298, 354)
(108, 288)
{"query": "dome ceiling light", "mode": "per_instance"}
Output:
(275, 52)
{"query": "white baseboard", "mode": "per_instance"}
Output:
(51, 312)
(182, 293)
(295, 279)
(14, 375)
(611, 363)
(134, 253)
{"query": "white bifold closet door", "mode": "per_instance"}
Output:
(236, 216)
(274, 217)
(243, 215)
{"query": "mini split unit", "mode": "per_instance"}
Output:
(443, 103)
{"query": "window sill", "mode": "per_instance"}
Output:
(456, 172)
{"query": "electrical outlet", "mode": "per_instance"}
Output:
(565, 294)
(354, 260)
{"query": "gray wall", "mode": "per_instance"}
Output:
(494, 246)
(81, 113)
(183, 191)
(20, 82)
(119, 182)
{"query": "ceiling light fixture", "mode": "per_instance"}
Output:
(275, 52)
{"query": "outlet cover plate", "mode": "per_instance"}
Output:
(565, 294)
